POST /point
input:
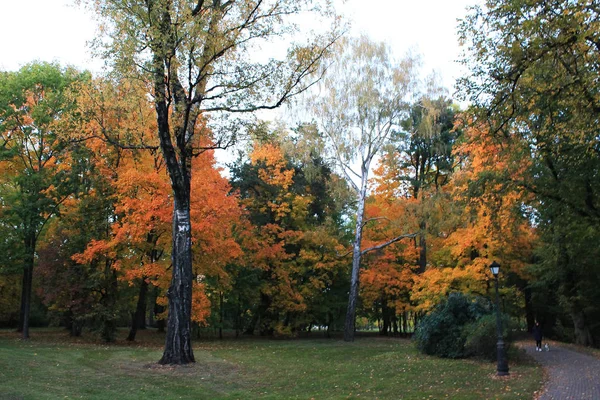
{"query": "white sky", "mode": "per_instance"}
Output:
(57, 30)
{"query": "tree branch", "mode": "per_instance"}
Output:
(394, 240)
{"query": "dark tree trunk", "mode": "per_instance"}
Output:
(221, 316)
(583, 336)
(22, 308)
(529, 315)
(252, 325)
(238, 317)
(30, 243)
(109, 303)
(158, 309)
(178, 345)
(178, 158)
(385, 316)
(138, 318)
(72, 324)
(76, 329)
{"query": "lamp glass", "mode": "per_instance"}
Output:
(495, 268)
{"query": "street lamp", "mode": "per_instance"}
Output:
(502, 369)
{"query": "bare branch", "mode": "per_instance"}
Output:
(374, 219)
(394, 240)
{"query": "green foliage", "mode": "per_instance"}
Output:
(440, 332)
(534, 81)
(481, 337)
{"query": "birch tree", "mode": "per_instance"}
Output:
(198, 56)
(363, 98)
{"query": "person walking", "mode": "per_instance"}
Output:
(537, 335)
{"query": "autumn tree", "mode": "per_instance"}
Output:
(292, 255)
(485, 222)
(117, 124)
(363, 99)
(82, 291)
(424, 154)
(533, 80)
(196, 55)
(33, 158)
(387, 276)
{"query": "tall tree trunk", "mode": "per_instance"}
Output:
(529, 316)
(350, 322)
(385, 316)
(30, 243)
(178, 159)
(238, 317)
(138, 318)
(157, 310)
(583, 336)
(109, 303)
(178, 344)
(221, 316)
(22, 308)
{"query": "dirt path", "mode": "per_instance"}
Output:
(571, 375)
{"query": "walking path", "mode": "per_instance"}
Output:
(571, 375)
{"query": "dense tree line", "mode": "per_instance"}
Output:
(372, 213)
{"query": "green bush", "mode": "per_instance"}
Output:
(481, 337)
(440, 332)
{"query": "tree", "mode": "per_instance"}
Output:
(486, 223)
(291, 256)
(363, 100)
(195, 55)
(533, 80)
(426, 161)
(34, 157)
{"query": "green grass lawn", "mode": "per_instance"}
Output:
(52, 366)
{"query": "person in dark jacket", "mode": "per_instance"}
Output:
(537, 335)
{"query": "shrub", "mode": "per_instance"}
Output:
(481, 337)
(440, 332)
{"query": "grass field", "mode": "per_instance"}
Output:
(51, 366)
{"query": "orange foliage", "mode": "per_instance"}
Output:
(488, 226)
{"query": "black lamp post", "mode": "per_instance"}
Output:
(502, 362)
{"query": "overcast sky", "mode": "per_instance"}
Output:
(57, 30)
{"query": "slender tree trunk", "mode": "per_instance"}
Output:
(178, 345)
(385, 316)
(221, 315)
(158, 309)
(30, 243)
(138, 318)
(350, 322)
(529, 317)
(26, 300)
(109, 303)
(22, 308)
(238, 318)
